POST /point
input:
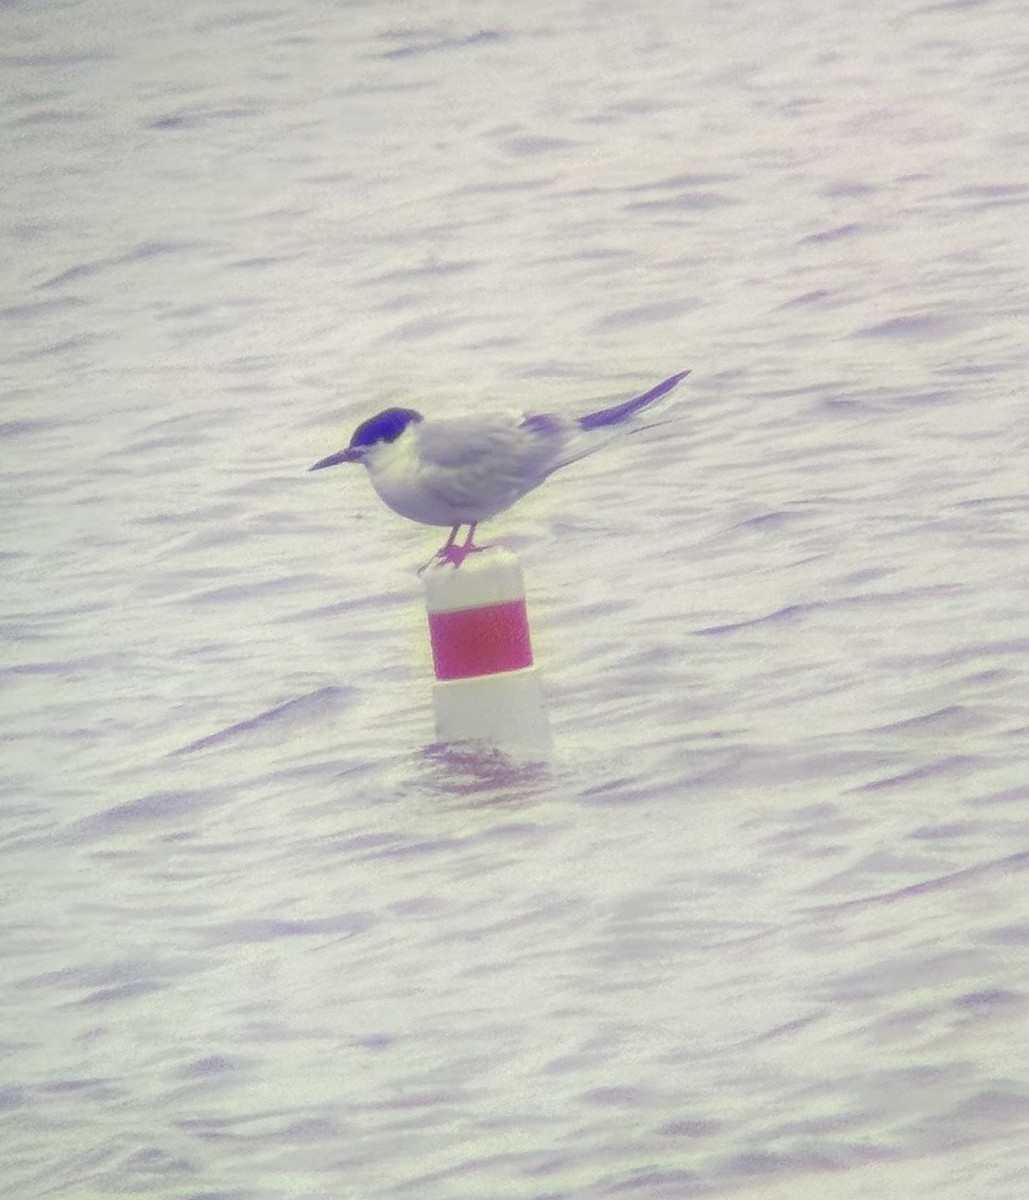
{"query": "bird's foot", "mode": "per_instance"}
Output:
(451, 555)
(455, 555)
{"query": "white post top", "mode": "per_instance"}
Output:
(490, 576)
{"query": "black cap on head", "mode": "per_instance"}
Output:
(386, 427)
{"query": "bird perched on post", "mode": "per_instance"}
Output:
(460, 470)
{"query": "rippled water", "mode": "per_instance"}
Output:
(759, 927)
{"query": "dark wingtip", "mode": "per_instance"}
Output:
(619, 412)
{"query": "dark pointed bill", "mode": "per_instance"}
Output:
(341, 456)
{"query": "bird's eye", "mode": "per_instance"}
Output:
(386, 427)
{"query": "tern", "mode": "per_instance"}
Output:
(460, 470)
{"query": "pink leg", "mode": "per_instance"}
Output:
(443, 554)
(452, 553)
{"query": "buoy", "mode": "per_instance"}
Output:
(487, 688)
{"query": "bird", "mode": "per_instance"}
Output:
(460, 470)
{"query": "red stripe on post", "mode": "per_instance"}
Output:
(480, 641)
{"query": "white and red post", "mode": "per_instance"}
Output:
(487, 688)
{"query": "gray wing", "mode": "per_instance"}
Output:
(489, 459)
(466, 441)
